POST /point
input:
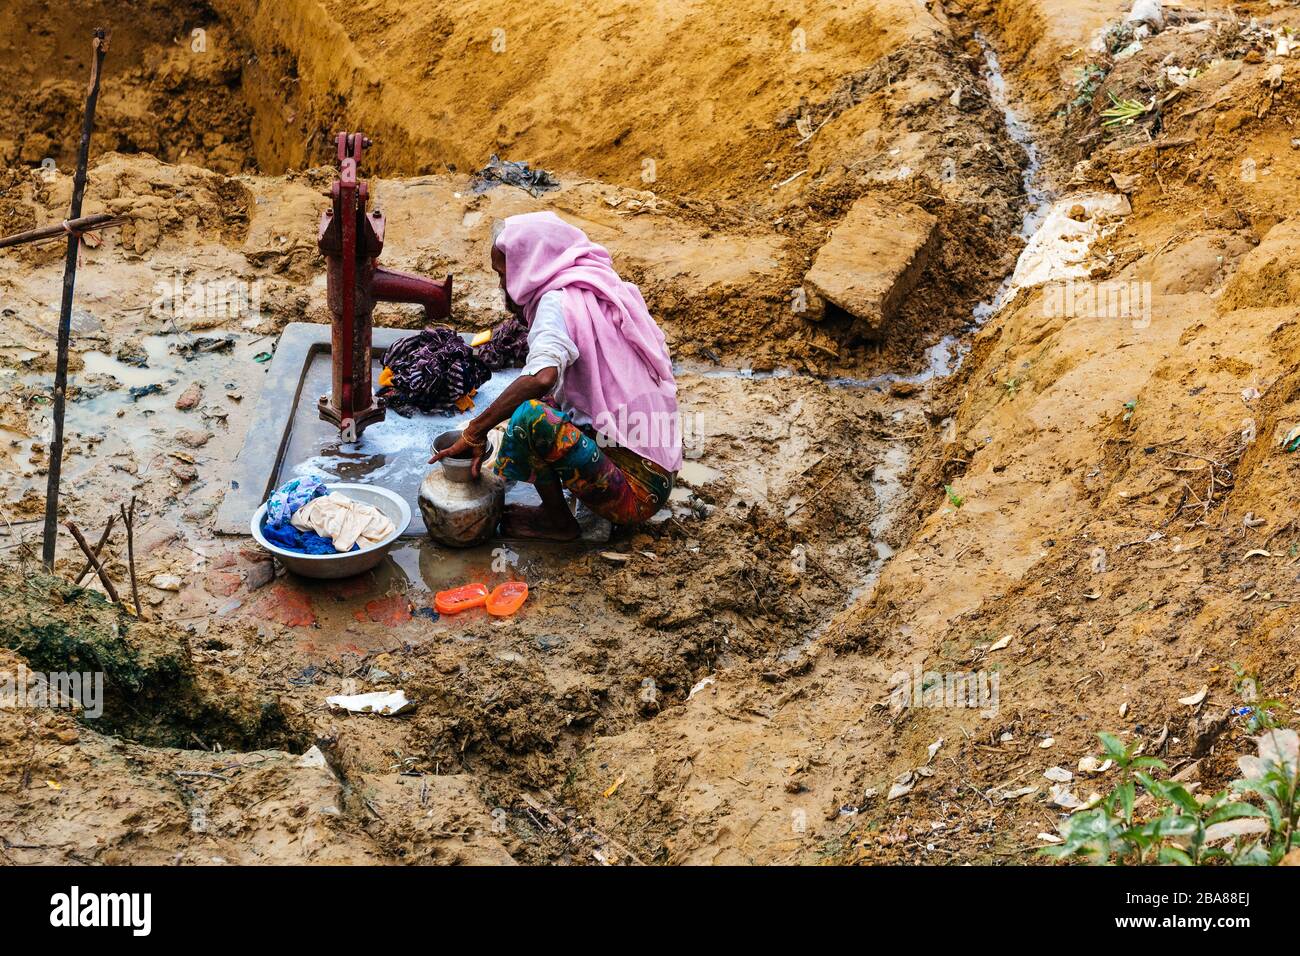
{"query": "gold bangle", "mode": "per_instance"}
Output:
(472, 444)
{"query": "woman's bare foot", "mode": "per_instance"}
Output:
(522, 521)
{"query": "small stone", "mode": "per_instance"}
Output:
(200, 510)
(84, 323)
(132, 352)
(156, 538)
(193, 437)
(260, 575)
(184, 471)
(190, 398)
(166, 582)
(254, 554)
(222, 583)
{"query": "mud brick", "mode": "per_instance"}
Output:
(190, 397)
(873, 260)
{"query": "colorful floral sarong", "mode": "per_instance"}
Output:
(542, 444)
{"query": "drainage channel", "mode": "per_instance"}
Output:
(941, 359)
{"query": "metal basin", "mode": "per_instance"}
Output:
(348, 563)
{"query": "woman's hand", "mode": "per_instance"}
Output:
(468, 446)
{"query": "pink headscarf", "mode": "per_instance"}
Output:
(623, 377)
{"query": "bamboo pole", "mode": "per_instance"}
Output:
(99, 548)
(100, 46)
(128, 518)
(76, 227)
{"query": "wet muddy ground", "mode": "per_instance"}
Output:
(714, 686)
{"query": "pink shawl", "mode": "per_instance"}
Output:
(623, 377)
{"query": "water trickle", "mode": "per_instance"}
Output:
(1038, 198)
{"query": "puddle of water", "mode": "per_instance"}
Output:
(146, 423)
(16, 451)
(422, 566)
(396, 451)
(696, 474)
(158, 368)
(941, 359)
(1037, 197)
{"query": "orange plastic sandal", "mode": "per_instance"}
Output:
(460, 599)
(507, 598)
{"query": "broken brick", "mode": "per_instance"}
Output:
(222, 583)
(285, 605)
(391, 610)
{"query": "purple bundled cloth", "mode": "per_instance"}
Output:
(508, 347)
(430, 370)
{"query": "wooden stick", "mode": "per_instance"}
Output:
(99, 568)
(100, 46)
(75, 227)
(128, 516)
(103, 540)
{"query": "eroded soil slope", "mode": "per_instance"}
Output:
(1119, 536)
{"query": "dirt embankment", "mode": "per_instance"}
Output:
(801, 120)
(171, 84)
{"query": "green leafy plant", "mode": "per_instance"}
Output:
(1183, 829)
(1086, 85)
(956, 499)
(1123, 112)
